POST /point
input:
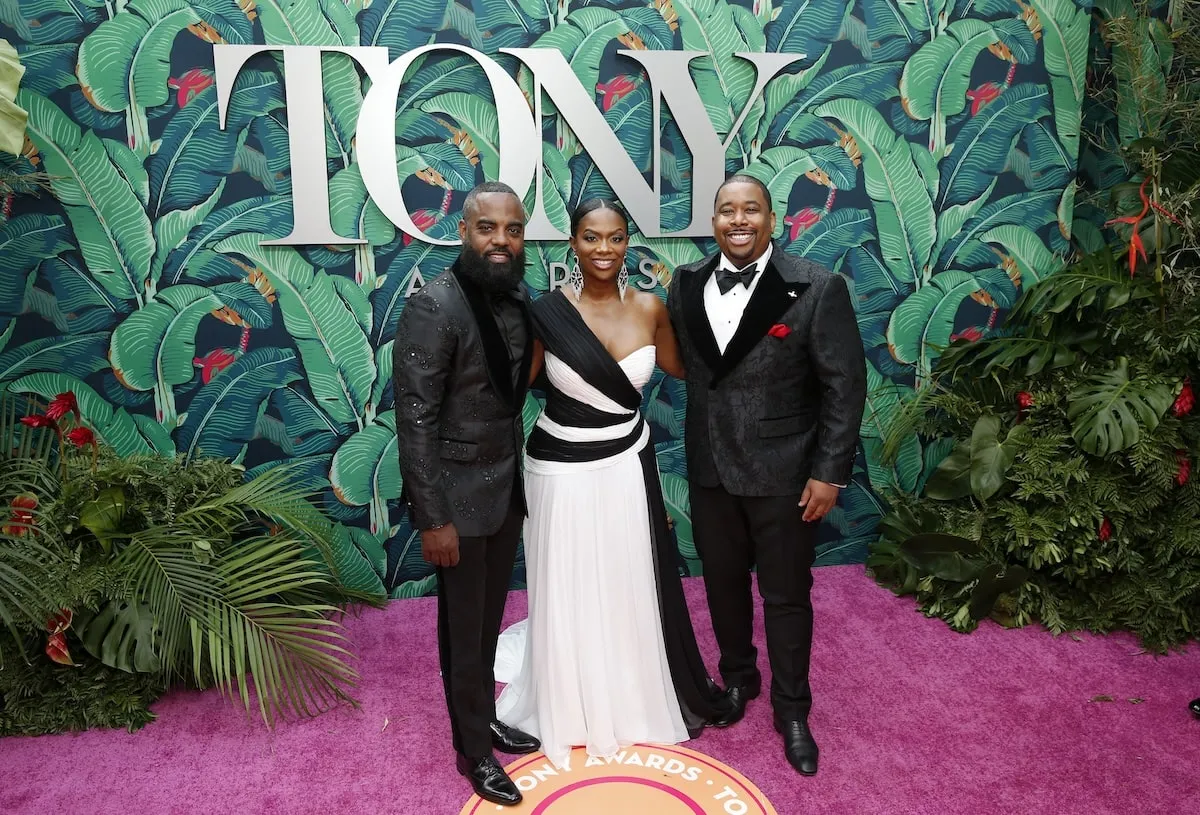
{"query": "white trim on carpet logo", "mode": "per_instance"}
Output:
(641, 778)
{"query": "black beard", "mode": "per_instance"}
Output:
(489, 276)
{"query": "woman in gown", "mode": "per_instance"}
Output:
(609, 657)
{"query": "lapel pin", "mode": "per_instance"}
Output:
(792, 294)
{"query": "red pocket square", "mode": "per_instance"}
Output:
(779, 331)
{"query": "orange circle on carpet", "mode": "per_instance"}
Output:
(639, 779)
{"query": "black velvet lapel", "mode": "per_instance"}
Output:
(696, 316)
(772, 297)
(499, 367)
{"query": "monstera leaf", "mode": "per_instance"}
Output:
(155, 345)
(321, 317)
(115, 428)
(981, 147)
(873, 84)
(834, 235)
(903, 208)
(402, 25)
(920, 327)
(366, 469)
(77, 356)
(1065, 26)
(717, 28)
(109, 222)
(195, 257)
(1110, 410)
(223, 415)
(122, 635)
(933, 86)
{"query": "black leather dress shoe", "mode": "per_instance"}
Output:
(799, 746)
(1195, 708)
(736, 696)
(511, 740)
(489, 780)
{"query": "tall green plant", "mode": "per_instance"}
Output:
(182, 571)
(1069, 486)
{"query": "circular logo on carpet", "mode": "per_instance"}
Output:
(641, 778)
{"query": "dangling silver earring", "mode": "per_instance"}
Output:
(576, 281)
(622, 282)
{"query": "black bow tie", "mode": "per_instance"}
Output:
(728, 278)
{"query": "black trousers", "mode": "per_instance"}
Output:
(471, 600)
(734, 533)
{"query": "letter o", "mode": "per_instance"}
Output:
(376, 135)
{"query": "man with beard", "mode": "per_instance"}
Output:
(461, 367)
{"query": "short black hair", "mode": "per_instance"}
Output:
(745, 178)
(483, 189)
(591, 205)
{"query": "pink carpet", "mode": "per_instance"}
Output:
(911, 718)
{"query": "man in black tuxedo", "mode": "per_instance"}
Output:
(776, 386)
(461, 367)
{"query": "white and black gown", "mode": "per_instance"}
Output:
(607, 656)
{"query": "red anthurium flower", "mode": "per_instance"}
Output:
(213, 363)
(188, 85)
(20, 518)
(779, 331)
(61, 405)
(38, 421)
(982, 95)
(1024, 400)
(1106, 529)
(801, 221)
(1185, 467)
(614, 89)
(81, 436)
(56, 649)
(60, 622)
(1185, 401)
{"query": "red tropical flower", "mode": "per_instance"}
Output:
(970, 334)
(188, 85)
(38, 421)
(56, 649)
(80, 436)
(614, 89)
(60, 622)
(423, 219)
(1106, 529)
(61, 405)
(1185, 401)
(213, 363)
(1185, 467)
(1024, 400)
(982, 95)
(801, 221)
(20, 519)
(1136, 246)
(779, 331)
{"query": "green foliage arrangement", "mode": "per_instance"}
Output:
(1067, 497)
(120, 576)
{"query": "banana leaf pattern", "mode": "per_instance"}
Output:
(927, 151)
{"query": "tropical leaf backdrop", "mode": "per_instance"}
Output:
(925, 150)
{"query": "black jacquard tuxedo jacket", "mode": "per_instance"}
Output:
(785, 400)
(458, 411)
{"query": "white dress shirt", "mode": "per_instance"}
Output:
(725, 310)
